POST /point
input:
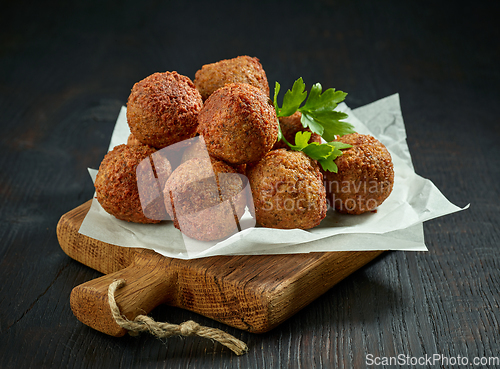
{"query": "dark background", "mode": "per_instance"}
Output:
(66, 68)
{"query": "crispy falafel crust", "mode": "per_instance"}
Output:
(289, 127)
(116, 183)
(242, 69)
(193, 199)
(163, 108)
(238, 123)
(287, 189)
(365, 175)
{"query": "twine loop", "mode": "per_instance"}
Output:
(143, 323)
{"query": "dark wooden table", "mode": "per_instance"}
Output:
(66, 68)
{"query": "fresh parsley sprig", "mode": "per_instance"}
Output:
(319, 116)
(324, 153)
(318, 112)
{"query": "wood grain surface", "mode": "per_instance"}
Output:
(252, 293)
(66, 68)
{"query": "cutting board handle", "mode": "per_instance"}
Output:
(149, 282)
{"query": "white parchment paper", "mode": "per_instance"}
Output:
(397, 224)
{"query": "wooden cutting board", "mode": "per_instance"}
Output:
(252, 293)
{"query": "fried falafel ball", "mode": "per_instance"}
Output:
(116, 183)
(365, 175)
(287, 189)
(204, 198)
(238, 123)
(163, 108)
(289, 127)
(242, 69)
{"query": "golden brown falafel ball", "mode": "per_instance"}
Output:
(365, 175)
(289, 127)
(162, 109)
(205, 207)
(287, 189)
(238, 123)
(243, 69)
(116, 183)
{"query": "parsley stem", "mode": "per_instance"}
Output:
(282, 136)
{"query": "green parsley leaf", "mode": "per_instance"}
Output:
(301, 140)
(318, 151)
(319, 115)
(275, 100)
(324, 153)
(328, 165)
(330, 123)
(292, 100)
(340, 145)
(314, 125)
(327, 100)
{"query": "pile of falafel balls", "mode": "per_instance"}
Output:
(228, 105)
